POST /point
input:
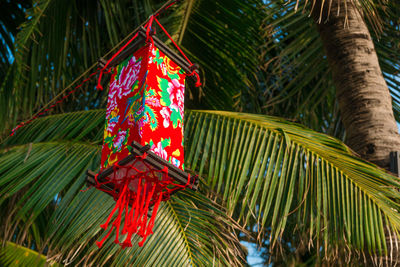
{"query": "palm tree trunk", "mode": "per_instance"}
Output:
(364, 99)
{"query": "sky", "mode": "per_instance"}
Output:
(254, 256)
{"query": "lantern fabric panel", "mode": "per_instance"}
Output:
(145, 104)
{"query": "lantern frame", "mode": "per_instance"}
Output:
(141, 40)
(152, 159)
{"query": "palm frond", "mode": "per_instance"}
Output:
(15, 255)
(187, 231)
(41, 171)
(223, 38)
(256, 184)
(75, 40)
(77, 126)
(298, 82)
(58, 42)
(47, 178)
(283, 179)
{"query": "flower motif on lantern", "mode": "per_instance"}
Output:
(165, 113)
(159, 149)
(125, 80)
(175, 161)
(172, 97)
(119, 140)
(113, 119)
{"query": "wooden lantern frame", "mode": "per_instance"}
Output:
(141, 40)
(152, 159)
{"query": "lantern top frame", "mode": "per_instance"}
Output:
(141, 41)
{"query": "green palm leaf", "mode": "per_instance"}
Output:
(15, 255)
(49, 58)
(47, 177)
(279, 176)
(77, 126)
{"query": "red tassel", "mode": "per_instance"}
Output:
(99, 86)
(125, 228)
(100, 244)
(146, 211)
(105, 225)
(117, 222)
(141, 210)
(153, 216)
(136, 221)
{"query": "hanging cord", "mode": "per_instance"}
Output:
(148, 27)
(192, 66)
(104, 69)
(47, 107)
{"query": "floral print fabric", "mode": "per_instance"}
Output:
(145, 104)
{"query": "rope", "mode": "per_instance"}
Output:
(44, 110)
(148, 26)
(194, 72)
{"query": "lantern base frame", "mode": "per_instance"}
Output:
(152, 159)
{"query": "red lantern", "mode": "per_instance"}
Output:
(142, 159)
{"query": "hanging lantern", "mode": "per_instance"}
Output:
(142, 160)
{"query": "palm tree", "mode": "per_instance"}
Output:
(372, 131)
(264, 179)
(346, 35)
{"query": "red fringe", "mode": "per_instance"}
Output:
(151, 190)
